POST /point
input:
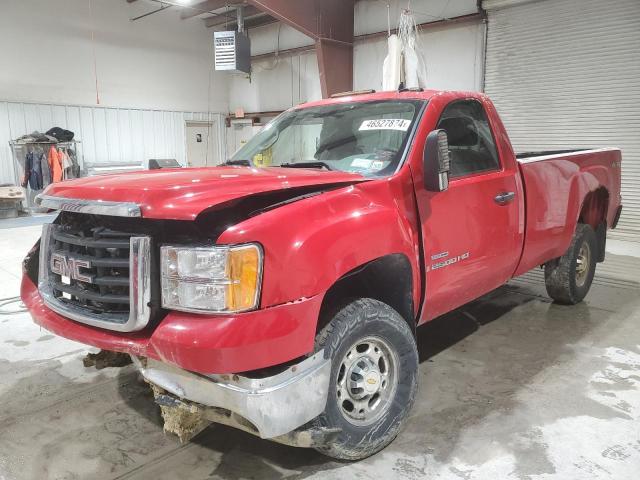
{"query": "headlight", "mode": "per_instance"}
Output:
(211, 279)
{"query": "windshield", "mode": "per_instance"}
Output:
(363, 137)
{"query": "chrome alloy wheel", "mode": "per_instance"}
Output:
(367, 381)
(583, 262)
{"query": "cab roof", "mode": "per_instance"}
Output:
(390, 95)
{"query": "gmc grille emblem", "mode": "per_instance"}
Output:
(70, 267)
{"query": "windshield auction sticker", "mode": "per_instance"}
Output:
(386, 124)
(367, 164)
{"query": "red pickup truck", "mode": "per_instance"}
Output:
(280, 293)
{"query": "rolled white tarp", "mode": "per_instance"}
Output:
(415, 70)
(392, 64)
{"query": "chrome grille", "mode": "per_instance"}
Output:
(96, 275)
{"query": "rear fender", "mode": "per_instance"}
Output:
(556, 191)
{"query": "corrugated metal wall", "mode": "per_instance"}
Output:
(566, 73)
(108, 135)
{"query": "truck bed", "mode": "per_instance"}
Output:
(558, 187)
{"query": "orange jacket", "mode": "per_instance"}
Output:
(55, 164)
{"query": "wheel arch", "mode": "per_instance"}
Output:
(388, 279)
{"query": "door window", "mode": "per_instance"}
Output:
(471, 145)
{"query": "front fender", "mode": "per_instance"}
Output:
(310, 244)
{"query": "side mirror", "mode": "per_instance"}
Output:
(436, 161)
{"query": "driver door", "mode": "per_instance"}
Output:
(470, 231)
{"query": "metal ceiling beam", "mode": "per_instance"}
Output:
(255, 22)
(162, 7)
(314, 18)
(230, 17)
(462, 19)
(330, 24)
(208, 6)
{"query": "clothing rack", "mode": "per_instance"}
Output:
(26, 144)
(19, 151)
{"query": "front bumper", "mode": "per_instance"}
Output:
(206, 344)
(274, 405)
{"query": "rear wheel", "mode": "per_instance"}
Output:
(568, 278)
(373, 378)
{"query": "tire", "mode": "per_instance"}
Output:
(384, 361)
(566, 279)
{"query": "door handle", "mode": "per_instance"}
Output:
(504, 198)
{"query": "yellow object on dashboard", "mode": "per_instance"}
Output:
(264, 158)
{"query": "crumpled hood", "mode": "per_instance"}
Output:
(181, 194)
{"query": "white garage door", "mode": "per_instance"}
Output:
(566, 73)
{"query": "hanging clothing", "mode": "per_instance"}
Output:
(35, 179)
(55, 165)
(33, 171)
(28, 160)
(60, 134)
(44, 165)
(74, 160)
(67, 165)
(36, 136)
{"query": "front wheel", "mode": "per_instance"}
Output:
(373, 378)
(569, 277)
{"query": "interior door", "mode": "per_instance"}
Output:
(202, 144)
(470, 231)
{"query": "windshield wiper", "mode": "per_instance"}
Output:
(307, 165)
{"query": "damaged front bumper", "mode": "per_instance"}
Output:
(270, 407)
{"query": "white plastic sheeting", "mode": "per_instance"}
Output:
(415, 69)
(404, 63)
(454, 54)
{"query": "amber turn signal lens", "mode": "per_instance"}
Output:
(244, 264)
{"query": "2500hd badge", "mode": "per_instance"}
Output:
(448, 261)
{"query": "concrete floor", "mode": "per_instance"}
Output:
(512, 386)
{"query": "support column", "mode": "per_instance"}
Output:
(330, 24)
